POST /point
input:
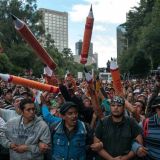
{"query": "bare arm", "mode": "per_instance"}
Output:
(103, 153)
(93, 122)
(139, 139)
(130, 107)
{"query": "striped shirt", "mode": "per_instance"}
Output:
(152, 139)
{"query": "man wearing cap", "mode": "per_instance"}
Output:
(69, 135)
(117, 133)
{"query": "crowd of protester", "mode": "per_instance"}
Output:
(36, 125)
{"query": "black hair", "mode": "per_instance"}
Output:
(143, 104)
(24, 102)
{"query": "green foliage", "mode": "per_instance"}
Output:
(143, 34)
(141, 64)
(5, 64)
(19, 55)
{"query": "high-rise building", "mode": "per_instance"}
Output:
(122, 42)
(92, 58)
(78, 47)
(56, 24)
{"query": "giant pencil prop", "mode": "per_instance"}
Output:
(87, 37)
(25, 32)
(29, 83)
(93, 94)
(116, 77)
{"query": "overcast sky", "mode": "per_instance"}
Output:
(108, 14)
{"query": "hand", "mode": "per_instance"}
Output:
(94, 116)
(13, 146)
(43, 147)
(142, 151)
(123, 158)
(21, 148)
(97, 146)
(117, 158)
(60, 81)
(43, 97)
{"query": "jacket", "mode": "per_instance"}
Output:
(73, 148)
(31, 134)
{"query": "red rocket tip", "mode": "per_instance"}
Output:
(13, 17)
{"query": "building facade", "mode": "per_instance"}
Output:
(56, 24)
(122, 42)
(78, 48)
(90, 60)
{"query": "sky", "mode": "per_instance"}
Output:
(108, 14)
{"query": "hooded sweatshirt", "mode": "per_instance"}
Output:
(31, 134)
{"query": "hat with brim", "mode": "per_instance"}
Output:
(66, 106)
(156, 102)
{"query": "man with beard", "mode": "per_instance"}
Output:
(117, 133)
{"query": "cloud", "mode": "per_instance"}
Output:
(112, 11)
(99, 28)
(108, 14)
(106, 47)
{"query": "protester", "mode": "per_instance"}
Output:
(151, 132)
(24, 135)
(154, 94)
(139, 113)
(7, 97)
(70, 136)
(117, 133)
(59, 99)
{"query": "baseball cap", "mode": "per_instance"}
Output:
(156, 102)
(66, 106)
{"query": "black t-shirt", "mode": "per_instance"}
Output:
(117, 137)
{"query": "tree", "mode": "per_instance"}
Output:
(143, 36)
(19, 53)
(26, 11)
(141, 64)
(5, 65)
